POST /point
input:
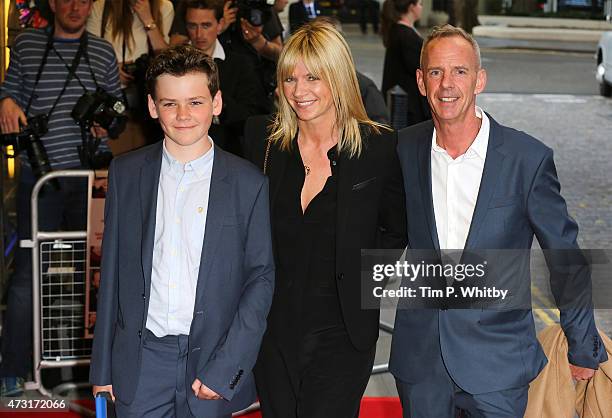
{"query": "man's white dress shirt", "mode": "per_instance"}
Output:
(455, 185)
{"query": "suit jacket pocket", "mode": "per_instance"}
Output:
(363, 184)
(499, 202)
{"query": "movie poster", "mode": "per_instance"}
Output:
(96, 229)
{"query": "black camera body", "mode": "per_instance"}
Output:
(102, 108)
(138, 68)
(256, 12)
(29, 140)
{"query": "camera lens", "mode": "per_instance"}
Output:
(37, 155)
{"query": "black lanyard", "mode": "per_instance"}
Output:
(71, 69)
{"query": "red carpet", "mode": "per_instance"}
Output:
(370, 408)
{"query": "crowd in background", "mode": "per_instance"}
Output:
(137, 30)
(222, 279)
(245, 47)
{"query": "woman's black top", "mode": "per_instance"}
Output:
(306, 245)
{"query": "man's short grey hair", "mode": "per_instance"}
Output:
(448, 31)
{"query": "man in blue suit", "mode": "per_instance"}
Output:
(187, 266)
(472, 184)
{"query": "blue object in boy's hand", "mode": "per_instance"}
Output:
(102, 399)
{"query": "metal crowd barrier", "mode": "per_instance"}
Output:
(59, 275)
(60, 269)
(383, 368)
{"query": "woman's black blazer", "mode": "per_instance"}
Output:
(371, 214)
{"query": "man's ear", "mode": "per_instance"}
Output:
(421, 82)
(52, 5)
(152, 108)
(217, 104)
(481, 81)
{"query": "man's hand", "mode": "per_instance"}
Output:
(250, 33)
(204, 392)
(97, 131)
(581, 373)
(125, 77)
(10, 116)
(229, 15)
(107, 388)
(143, 11)
(254, 36)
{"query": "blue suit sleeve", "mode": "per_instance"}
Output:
(106, 316)
(237, 356)
(557, 234)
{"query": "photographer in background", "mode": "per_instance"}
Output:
(250, 28)
(137, 29)
(178, 31)
(239, 85)
(48, 73)
(257, 34)
(266, 38)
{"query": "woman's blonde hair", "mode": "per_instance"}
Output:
(327, 56)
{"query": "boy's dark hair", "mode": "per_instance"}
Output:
(180, 60)
(214, 5)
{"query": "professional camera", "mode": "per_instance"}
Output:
(256, 12)
(29, 140)
(103, 109)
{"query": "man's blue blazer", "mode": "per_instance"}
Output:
(519, 198)
(234, 290)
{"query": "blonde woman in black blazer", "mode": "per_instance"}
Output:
(336, 188)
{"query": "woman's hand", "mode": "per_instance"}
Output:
(143, 11)
(142, 8)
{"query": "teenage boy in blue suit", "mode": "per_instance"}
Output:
(187, 267)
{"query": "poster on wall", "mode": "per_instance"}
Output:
(33, 13)
(96, 230)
